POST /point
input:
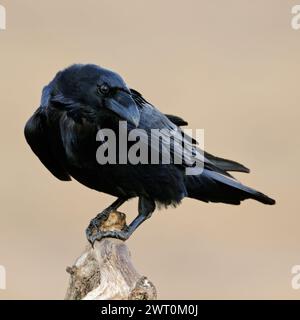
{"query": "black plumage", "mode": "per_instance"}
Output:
(82, 99)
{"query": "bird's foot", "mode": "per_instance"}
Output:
(108, 224)
(116, 234)
(95, 223)
(109, 217)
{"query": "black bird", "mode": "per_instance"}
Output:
(83, 99)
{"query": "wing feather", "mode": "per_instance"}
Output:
(37, 135)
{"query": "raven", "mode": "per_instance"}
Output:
(84, 98)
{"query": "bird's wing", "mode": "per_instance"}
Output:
(37, 135)
(224, 164)
(214, 183)
(176, 120)
(78, 131)
(182, 147)
(153, 118)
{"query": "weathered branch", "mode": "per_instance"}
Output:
(106, 272)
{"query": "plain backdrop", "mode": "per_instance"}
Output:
(230, 67)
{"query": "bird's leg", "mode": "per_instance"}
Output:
(146, 208)
(102, 216)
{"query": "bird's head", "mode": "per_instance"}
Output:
(94, 87)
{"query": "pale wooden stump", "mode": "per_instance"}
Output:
(106, 272)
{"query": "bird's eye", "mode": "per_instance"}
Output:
(103, 88)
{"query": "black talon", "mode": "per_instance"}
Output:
(121, 235)
(95, 223)
(146, 207)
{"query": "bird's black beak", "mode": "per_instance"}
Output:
(123, 105)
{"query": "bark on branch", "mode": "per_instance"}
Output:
(106, 271)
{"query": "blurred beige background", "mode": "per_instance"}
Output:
(231, 67)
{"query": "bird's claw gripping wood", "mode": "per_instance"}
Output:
(121, 235)
(106, 227)
(97, 228)
(94, 225)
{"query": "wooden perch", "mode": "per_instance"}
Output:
(106, 272)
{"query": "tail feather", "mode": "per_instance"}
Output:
(225, 164)
(254, 194)
(213, 186)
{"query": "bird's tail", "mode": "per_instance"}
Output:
(226, 164)
(213, 186)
